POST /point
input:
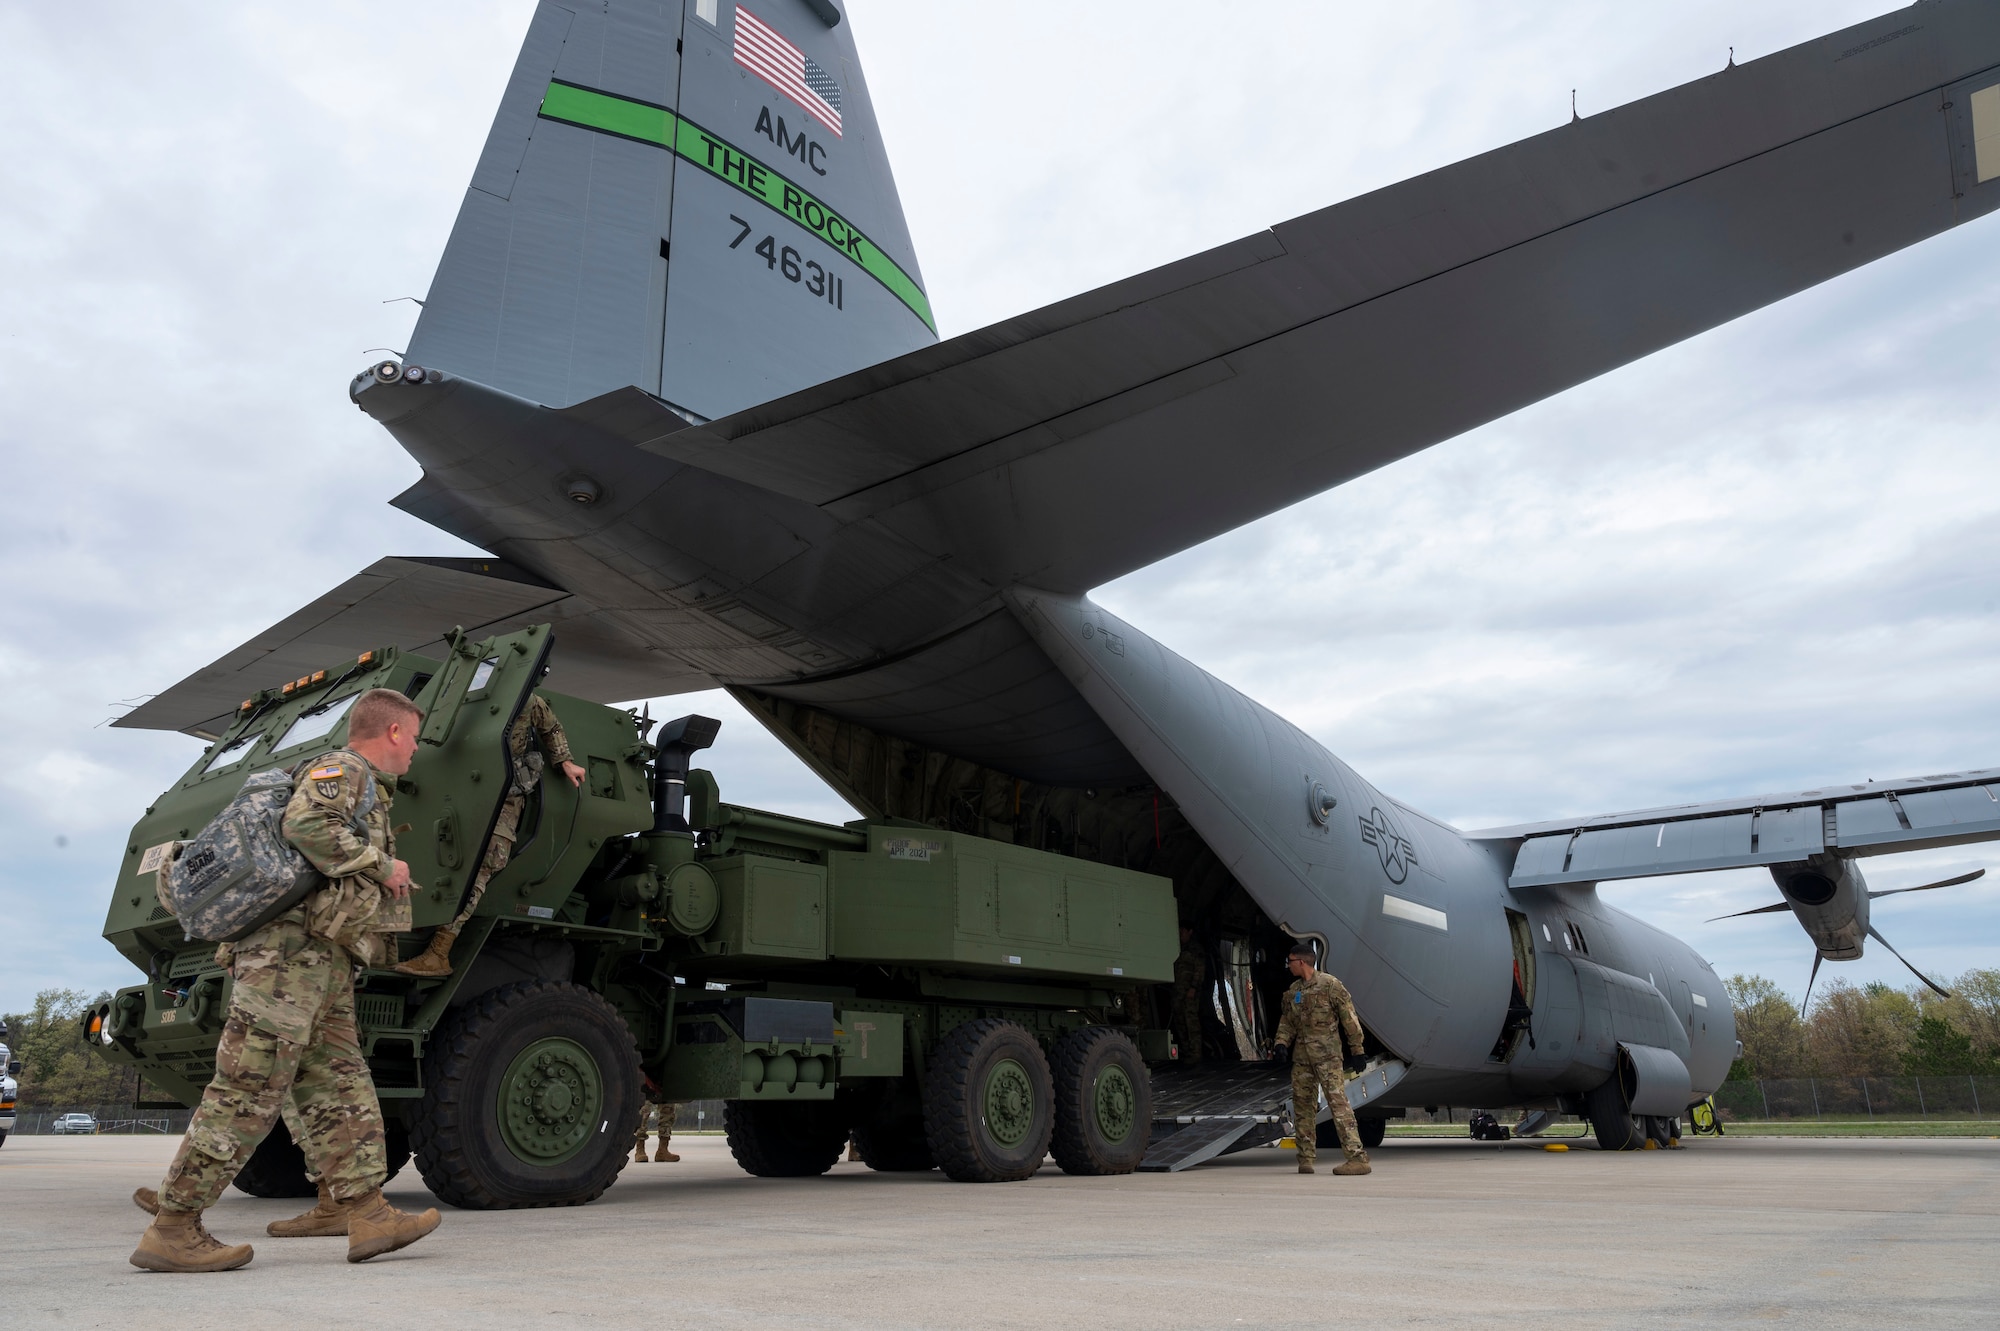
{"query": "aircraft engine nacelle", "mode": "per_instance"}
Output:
(1830, 898)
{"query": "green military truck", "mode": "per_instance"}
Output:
(951, 1001)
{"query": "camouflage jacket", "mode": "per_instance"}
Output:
(354, 904)
(537, 737)
(1316, 1011)
(1190, 969)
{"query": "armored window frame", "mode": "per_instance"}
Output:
(339, 707)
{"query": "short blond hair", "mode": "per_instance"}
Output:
(378, 709)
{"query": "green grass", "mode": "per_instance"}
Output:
(1880, 1127)
(1803, 1127)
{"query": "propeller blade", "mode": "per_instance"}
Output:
(1935, 988)
(1763, 910)
(1806, 1002)
(1948, 882)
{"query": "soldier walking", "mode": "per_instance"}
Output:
(1190, 983)
(291, 1029)
(1317, 1010)
(533, 740)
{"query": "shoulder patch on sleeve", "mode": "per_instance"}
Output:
(330, 772)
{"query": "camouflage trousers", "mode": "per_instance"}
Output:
(290, 1033)
(668, 1115)
(499, 849)
(1310, 1072)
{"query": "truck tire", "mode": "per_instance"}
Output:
(1611, 1118)
(989, 1102)
(531, 1098)
(894, 1146)
(277, 1168)
(775, 1140)
(1104, 1103)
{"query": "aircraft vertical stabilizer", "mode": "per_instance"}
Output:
(738, 140)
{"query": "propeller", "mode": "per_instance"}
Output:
(1818, 957)
(1945, 882)
(1885, 892)
(1764, 910)
(1935, 987)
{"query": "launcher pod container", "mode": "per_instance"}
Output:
(949, 1000)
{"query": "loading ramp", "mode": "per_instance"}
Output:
(1218, 1109)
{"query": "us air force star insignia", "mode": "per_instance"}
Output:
(1395, 849)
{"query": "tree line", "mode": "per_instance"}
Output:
(58, 1070)
(1870, 1030)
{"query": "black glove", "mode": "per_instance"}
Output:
(1280, 1055)
(1354, 1062)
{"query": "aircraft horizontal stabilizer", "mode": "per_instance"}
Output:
(1871, 818)
(411, 603)
(1064, 447)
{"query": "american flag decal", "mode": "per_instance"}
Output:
(785, 67)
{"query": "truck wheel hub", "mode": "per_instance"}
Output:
(1010, 1103)
(1114, 1101)
(550, 1101)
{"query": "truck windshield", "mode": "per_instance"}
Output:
(233, 754)
(315, 724)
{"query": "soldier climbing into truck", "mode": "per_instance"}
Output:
(535, 736)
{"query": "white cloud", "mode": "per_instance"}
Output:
(1756, 561)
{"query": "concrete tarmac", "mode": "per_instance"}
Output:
(1841, 1233)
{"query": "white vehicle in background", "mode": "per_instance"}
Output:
(74, 1124)
(9, 1066)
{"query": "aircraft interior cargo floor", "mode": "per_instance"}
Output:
(1849, 1233)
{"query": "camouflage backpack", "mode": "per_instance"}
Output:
(239, 873)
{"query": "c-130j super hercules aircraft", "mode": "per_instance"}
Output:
(678, 374)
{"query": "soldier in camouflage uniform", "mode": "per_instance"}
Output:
(537, 737)
(290, 1027)
(1190, 984)
(669, 1114)
(1317, 1011)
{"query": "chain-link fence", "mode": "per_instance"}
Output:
(116, 1119)
(1861, 1098)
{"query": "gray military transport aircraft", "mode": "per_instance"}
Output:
(678, 374)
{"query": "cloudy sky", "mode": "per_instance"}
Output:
(1764, 559)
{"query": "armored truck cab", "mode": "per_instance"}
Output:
(949, 1000)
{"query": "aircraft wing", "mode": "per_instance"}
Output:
(1870, 818)
(412, 603)
(1070, 445)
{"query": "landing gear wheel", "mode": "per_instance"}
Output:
(277, 1168)
(532, 1098)
(1327, 1137)
(894, 1146)
(772, 1139)
(1104, 1103)
(1611, 1118)
(1660, 1129)
(989, 1102)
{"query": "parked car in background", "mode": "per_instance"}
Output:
(83, 1123)
(9, 1066)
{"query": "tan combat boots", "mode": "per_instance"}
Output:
(434, 962)
(176, 1242)
(375, 1227)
